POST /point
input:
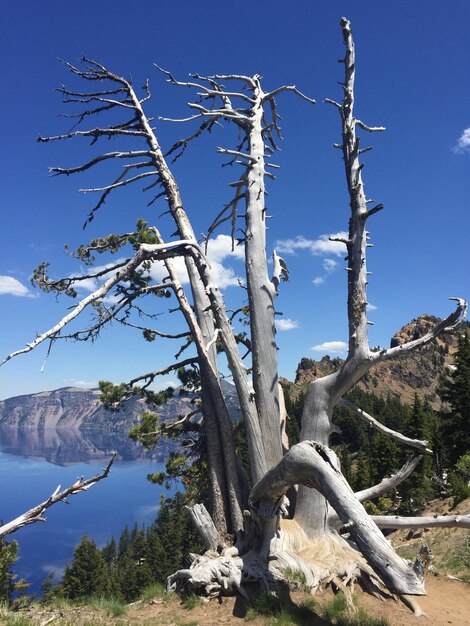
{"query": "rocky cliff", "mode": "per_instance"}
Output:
(75, 408)
(417, 373)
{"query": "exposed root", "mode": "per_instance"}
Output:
(291, 557)
(319, 560)
(412, 604)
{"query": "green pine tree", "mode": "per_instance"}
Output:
(87, 575)
(420, 487)
(362, 476)
(455, 392)
(9, 585)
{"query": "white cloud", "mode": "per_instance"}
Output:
(90, 284)
(330, 265)
(318, 247)
(164, 384)
(221, 247)
(56, 569)
(331, 346)
(13, 287)
(372, 307)
(158, 270)
(73, 382)
(218, 251)
(286, 324)
(225, 276)
(463, 144)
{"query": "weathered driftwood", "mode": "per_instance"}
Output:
(36, 514)
(205, 526)
(434, 521)
(314, 466)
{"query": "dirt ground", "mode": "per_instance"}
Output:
(447, 602)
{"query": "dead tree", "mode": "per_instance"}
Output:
(271, 534)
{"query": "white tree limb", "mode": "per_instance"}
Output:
(435, 521)
(146, 251)
(123, 183)
(205, 526)
(55, 171)
(389, 482)
(447, 325)
(292, 88)
(280, 271)
(36, 514)
(393, 434)
(370, 129)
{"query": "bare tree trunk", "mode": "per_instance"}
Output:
(309, 463)
(226, 491)
(214, 401)
(312, 509)
(261, 293)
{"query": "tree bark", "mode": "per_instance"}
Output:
(261, 292)
(314, 465)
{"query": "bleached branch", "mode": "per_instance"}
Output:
(94, 132)
(435, 521)
(390, 482)
(153, 331)
(293, 89)
(206, 91)
(231, 114)
(221, 217)
(71, 280)
(235, 153)
(250, 80)
(370, 129)
(103, 157)
(122, 183)
(336, 104)
(447, 325)
(180, 120)
(104, 92)
(393, 434)
(146, 251)
(150, 376)
(280, 271)
(36, 514)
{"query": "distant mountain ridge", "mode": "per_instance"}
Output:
(72, 407)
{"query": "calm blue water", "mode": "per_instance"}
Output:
(29, 474)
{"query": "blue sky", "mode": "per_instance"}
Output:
(412, 77)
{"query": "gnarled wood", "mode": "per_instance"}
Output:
(315, 466)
